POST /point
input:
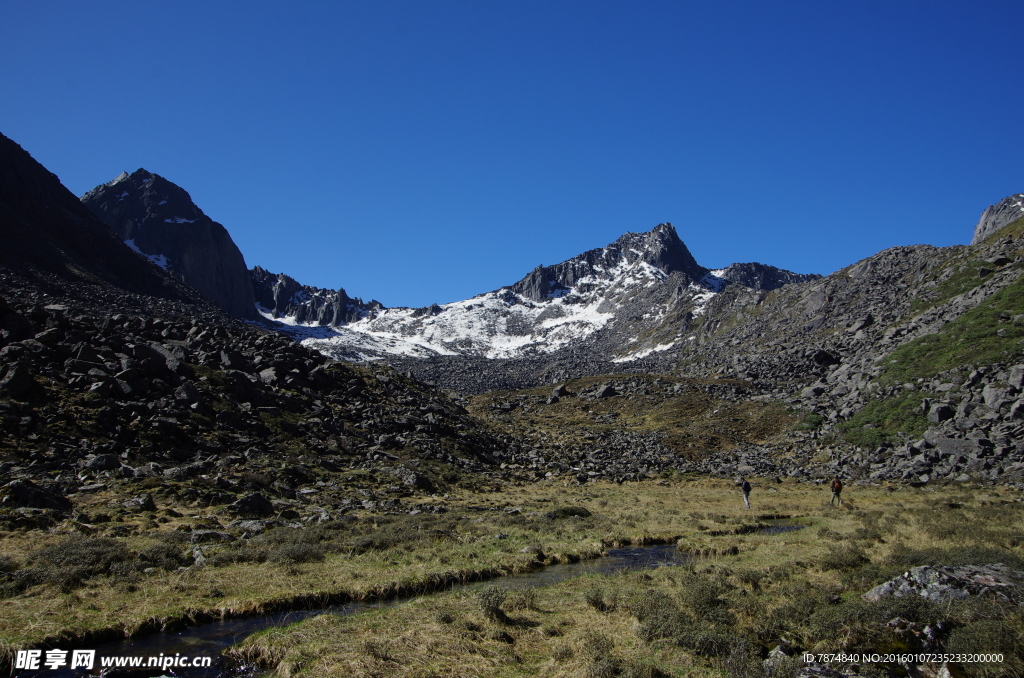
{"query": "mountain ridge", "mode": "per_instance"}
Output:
(595, 299)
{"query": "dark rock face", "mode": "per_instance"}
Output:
(762, 277)
(46, 231)
(995, 217)
(159, 219)
(284, 297)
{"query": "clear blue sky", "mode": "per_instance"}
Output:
(421, 152)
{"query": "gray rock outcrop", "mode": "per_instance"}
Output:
(995, 217)
(941, 584)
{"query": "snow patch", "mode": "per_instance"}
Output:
(643, 353)
(158, 259)
(179, 220)
(715, 281)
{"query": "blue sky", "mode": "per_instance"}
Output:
(420, 152)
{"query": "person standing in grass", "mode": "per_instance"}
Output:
(745, 486)
(837, 490)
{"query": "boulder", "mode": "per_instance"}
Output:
(26, 494)
(103, 462)
(940, 412)
(253, 505)
(17, 381)
(142, 503)
(207, 536)
(943, 584)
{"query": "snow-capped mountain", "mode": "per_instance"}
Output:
(157, 219)
(637, 296)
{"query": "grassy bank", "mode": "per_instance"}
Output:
(719, 615)
(765, 587)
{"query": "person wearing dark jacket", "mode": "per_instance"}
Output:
(837, 490)
(745, 486)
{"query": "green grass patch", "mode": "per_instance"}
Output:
(810, 422)
(887, 418)
(990, 333)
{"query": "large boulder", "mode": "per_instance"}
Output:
(943, 584)
(26, 494)
(17, 381)
(253, 505)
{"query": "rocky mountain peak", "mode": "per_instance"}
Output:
(158, 219)
(995, 217)
(660, 249)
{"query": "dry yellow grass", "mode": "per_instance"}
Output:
(706, 516)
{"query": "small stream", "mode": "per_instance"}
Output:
(211, 639)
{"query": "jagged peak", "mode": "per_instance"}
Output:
(995, 217)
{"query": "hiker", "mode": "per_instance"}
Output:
(837, 489)
(745, 486)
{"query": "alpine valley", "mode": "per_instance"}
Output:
(169, 415)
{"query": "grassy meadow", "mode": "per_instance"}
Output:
(741, 593)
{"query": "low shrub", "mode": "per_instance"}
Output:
(239, 552)
(595, 599)
(843, 557)
(92, 554)
(491, 598)
(521, 599)
(970, 554)
(164, 556)
(989, 636)
(296, 552)
(568, 512)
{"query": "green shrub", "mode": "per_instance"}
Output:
(638, 668)
(491, 598)
(162, 555)
(843, 557)
(989, 636)
(568, 512)
(8, 564)
(595, 599)
(239, 552)
(92, 554)
(521, 599)
(296, 552)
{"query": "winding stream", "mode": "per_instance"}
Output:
(211, 639)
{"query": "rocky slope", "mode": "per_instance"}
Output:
(159, 220)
